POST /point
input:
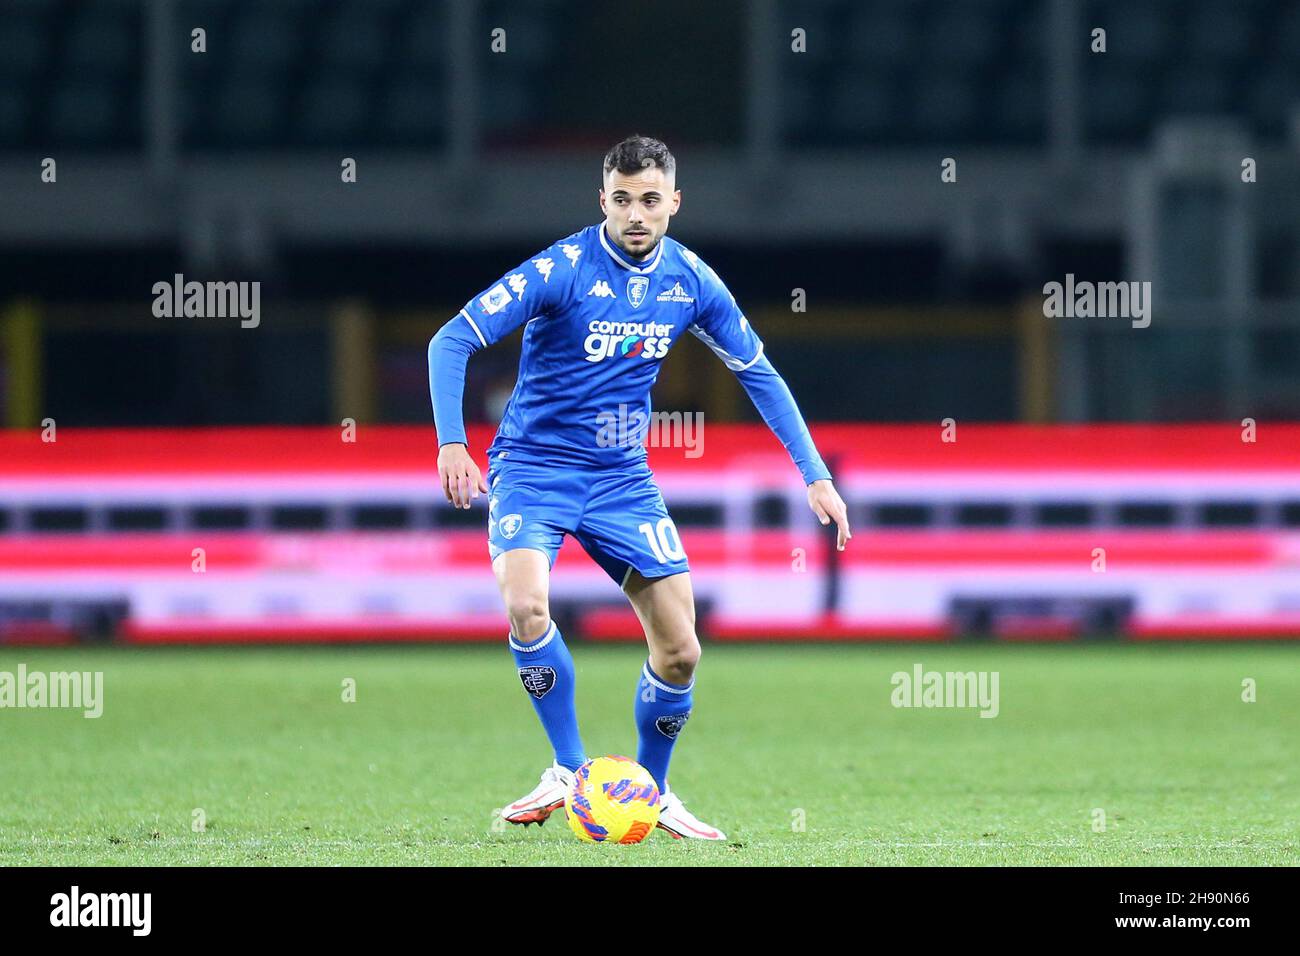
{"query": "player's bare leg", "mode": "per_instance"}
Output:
(546, 670)
(666, 608)
(524, 579)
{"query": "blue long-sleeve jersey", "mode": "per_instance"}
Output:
(597, 325)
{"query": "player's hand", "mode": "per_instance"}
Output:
(828, 506)
(461, 479)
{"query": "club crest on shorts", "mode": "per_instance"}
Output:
(537, 679)
(510, 525)
(636, 290)
(671, 725)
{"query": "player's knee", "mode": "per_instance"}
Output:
(680, 658)
(529, 615)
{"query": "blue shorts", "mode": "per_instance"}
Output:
(619, 517)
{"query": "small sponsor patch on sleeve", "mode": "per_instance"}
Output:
(495, 299)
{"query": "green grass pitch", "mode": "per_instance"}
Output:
(286, 772)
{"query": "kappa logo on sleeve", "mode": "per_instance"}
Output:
(544, 267)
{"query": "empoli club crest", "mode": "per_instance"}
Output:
(636, 289)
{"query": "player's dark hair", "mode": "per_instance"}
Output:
(637, 153)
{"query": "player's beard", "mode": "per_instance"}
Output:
(646, 245)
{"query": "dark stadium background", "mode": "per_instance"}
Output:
(1102, 518)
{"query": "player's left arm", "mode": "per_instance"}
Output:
(723, 327)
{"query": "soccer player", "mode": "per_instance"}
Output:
(600, 309)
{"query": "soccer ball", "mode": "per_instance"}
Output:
(612, 800)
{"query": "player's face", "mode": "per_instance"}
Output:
(637, 207)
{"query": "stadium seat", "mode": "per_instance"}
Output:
(862, 106)
(1273, 96)
(249, 112)
(13, 115)
(960, 36)
(333, 110)
(84, 112)
(529, 43)
(1286, 32)
(102, 41)
(880, 35)
(801, 108)
(356, 38)
(265, 40)
(1115, 104)
(1133, 31)
(1219, 32)
(412, 110)
(23, 46)
(1018, 101)
(508, 105)
(1195, 91)
(424, 37)
(946, 107)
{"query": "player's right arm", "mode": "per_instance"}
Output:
(535, 287)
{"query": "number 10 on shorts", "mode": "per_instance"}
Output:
(664, 542)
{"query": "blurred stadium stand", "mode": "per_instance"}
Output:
(308, 73)
(816, 170)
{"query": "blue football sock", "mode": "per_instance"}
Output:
(661, 711)
(546, 670)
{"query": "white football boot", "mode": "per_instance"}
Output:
(682, 824)
(545, 798)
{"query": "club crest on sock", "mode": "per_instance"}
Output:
(671, 725)
(537, 679)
